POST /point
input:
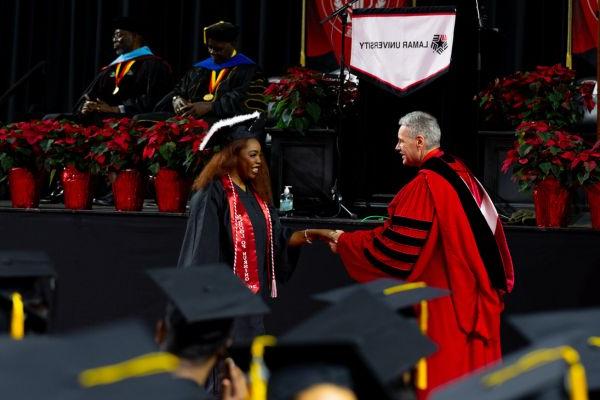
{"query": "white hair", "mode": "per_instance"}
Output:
(421, 123)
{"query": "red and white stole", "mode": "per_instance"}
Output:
(245, 261)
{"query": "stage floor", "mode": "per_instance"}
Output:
(101, 255)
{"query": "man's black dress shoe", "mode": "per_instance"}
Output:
(54, 197)
(106, 200)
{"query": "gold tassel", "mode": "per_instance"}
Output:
(569, 57)
(577, 379)
(144, 365)
(594, 341)
(576, 374)
(258, 373)
(303, 36)
(17, 323)
(421, 378)
(422, 364)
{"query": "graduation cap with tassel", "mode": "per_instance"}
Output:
(228, 130)
(27, 284)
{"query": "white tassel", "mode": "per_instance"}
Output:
(226, 122)
(273, 288)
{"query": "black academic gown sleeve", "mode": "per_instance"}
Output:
(241, 92)
(203, 241)
(148, 80)
(286, 257)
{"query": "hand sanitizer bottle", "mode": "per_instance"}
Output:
(286, 201)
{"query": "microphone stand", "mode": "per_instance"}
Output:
(343, 14)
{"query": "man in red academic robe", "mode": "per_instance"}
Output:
(443, 230)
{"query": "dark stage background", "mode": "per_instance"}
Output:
(72, 40)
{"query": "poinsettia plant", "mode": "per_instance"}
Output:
(541, 151)
(549, 93)
(586, 165)
(21, 145)
(174, 144)
(304, 98)
(70, 144)
(117, 145)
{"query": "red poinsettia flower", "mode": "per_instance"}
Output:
(549, 93)
(540, 152)
(174, 144)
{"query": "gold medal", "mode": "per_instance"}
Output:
(116, 90)
(208, 97)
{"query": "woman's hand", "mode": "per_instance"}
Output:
(326, 235)
(308, 236)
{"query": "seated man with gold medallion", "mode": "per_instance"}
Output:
(225, 84)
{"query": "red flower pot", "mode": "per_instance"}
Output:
(77, 188)
(24, 188)
(551, 201)
(172, 190)
(128, 190)
(593, 198)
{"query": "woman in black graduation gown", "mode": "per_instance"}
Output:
(234, 190)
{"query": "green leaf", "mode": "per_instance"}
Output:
(545, 167)
(6, 162)
(286, 117)
(279, 108)
(167, 150)
(314, 111)
(153, 168)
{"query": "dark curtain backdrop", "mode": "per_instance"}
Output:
(73, 37)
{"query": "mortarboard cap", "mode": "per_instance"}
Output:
(27, 284)
(228, 130)
(119, 361)
(204, 301)
(360, 332)
(536, 326)
(222, 32)
(395, 293)
(207, 292)
(131, 24)
(549, 369)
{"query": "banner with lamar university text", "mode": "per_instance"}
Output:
(402, 49)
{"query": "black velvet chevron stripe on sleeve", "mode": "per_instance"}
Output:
(388, 269)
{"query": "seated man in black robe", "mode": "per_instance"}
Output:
(132, 83)
(226, 84)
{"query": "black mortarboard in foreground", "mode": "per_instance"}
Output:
(549, 370)
(396, 293)
(536, 326)
(114, 362)
(27, 284)
(226, 131)
(207, 292)
(222, 32)
(360, 336)
(204, 302)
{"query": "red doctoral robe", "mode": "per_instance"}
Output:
(429, 238)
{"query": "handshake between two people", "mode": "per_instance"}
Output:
(307, 236)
